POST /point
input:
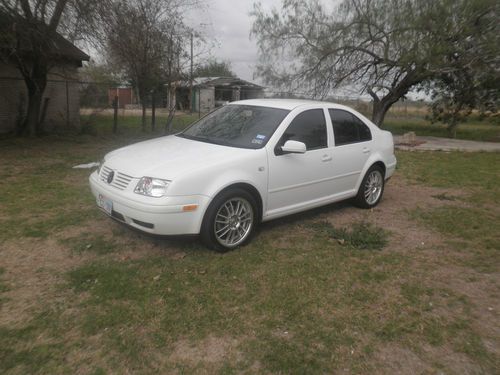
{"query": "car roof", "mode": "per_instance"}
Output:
(282, 103)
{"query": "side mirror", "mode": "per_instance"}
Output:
(293, 147)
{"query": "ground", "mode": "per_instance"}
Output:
(426, 143)
(414, 289)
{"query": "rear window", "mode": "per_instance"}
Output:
(347, 128)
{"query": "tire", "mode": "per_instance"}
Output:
(230, 220)
(371, 189)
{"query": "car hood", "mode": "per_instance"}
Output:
(170, 156)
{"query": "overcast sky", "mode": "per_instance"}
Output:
(228, 24)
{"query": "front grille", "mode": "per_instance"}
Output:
(120, 180)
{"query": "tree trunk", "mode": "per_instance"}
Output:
(397, 92)
(143, 120)
(33, 125)
(171, 108)
(452, 125)
(33, 116)
(153, 111)
(35, 83)
(170, 120)
(452, 128)
(380, 108)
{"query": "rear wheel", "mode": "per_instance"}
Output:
(371, 188)
(229, 221)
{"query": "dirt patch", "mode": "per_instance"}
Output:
(392, 214)
(397, 360)
(481, 291)
(211, 351)
(33, 269)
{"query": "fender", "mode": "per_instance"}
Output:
(210, 182)
(262, 196)
(374, 158)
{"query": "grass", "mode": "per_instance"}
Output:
(474, 172)
(131, 124)
(362, 236)
(205, 295)
(476, 228)
(3, 287)
(473, 226)
(305, 296)
(91, 242)
(474, 130)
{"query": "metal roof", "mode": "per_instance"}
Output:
(221, 81)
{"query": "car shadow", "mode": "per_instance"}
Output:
(192, 243)
(305, 215)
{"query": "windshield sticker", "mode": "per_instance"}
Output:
(260, 136)
(257, 141)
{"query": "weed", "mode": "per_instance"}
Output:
(88, 242)
(362, 236)
(3, 287)
(444, 197)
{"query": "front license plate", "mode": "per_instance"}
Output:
(105, 203)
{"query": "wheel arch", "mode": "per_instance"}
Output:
(248, 188)
(379, 163)
(370, 163)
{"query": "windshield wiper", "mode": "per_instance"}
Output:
(206, 139)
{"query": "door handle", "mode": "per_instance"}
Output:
(326, 158)
(366, 150)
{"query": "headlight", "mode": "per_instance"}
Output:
(101, 163)
(152, 187)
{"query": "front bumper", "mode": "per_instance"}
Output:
(163, 216)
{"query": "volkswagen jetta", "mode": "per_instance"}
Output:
(246, 162)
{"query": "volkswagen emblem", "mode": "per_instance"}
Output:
(111, 175)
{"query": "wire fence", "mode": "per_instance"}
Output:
(73, 104)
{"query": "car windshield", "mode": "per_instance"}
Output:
(235, 125)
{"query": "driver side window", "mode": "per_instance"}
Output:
(308, 127)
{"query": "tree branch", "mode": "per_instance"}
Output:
(56, 16)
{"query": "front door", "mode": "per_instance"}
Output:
(297, 181)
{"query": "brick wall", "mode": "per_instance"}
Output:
(63, 110)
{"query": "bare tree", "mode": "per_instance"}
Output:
(28, 34)
(383, 47)
(146, 38)
(214, 68)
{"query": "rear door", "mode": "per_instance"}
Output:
(352, 147)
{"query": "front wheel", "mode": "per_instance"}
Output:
(229, 221)
(371, 188)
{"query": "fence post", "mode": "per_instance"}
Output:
(153, 111)
(115, 114)
(67, 104)
(199, 102)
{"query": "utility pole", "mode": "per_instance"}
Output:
(191, 101)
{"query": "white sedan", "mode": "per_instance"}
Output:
(246, 162)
